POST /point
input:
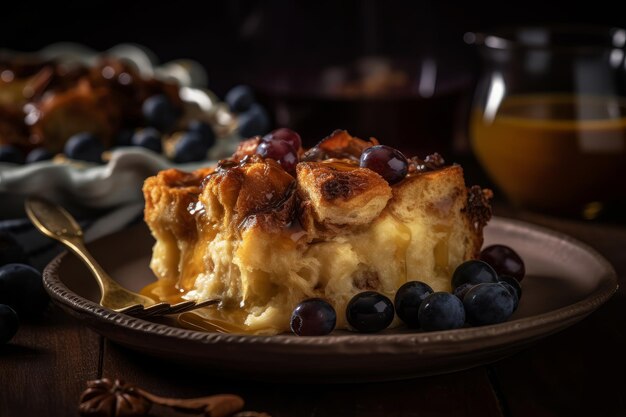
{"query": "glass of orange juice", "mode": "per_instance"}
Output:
(548, 120)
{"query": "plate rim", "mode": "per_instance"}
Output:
(488, 336)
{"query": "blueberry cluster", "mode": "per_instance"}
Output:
(22, 296)
(485, 291)
(252, 118)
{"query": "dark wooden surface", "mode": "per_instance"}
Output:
(578, 372)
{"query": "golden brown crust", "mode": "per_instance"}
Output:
(170, 198)
(337, 194)
(254, 193)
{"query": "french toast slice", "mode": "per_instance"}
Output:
(262, 241)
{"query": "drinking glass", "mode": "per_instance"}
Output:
(548, 119)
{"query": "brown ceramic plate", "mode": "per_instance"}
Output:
(565, 282)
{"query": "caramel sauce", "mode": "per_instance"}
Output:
(554, 152)
(201, 322)
(163, 290)
(213, 319)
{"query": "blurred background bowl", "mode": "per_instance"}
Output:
(417, 106)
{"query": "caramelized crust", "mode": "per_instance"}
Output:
(171, 197)
(254, 193)
(246, 148)
(335, 194)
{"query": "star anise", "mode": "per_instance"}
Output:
(112, 398)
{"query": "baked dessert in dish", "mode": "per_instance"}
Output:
(47, 102)
(68, 104)
(264, 233)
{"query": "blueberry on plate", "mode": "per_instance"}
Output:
(369, 312)
(514, 283)
(191, 147)
(148, 138)
(239, 98)
(8, 323)
(504, 260)
(84, 146)
(254, 121)
(313, 317)
(9, 153)
(408, 300)
(203, 129)
(462, 289)
(473, 272)
(21, 288)
(10, 250)
(159, 112)
(441, 311)
(513, 286)
(38, 155)
(488, 303)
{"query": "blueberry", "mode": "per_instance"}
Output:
(369, 312)
(282, 152)
(462, 289)
(285, 134)
(38, 155)
(239, 98)
(84, 146)
(204, 130)
(148, 138)
(313, 317)
(408, 300)
(504, 260)
(474, 272)
(159, 112)
(441, 311)
(22, 289)
(9, 153)
(124, 137)
(255, 121)
(488, 303)
(514, 283)
(386, 161)
(190, 148)
(8, 323)
(513, 286)
(10, 250)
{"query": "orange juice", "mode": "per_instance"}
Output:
(554, 152)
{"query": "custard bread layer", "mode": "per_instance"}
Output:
(262, 241)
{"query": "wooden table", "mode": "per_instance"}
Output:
(578, 372)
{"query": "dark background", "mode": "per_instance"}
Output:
(236, 39)
(279, 47)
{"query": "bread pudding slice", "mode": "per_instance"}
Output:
(262, 240)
